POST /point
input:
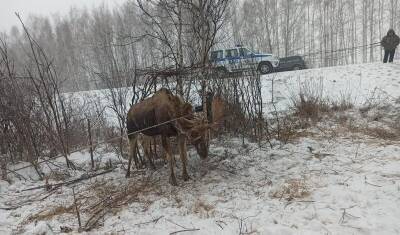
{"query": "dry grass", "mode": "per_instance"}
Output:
(343, 104)
(310, 102)
(49, 214)
(380, 133)
(110, 198)
(290, 128)
(291, 189)
(310, 107)
(375, 132)
(203, 209)
(99, 199)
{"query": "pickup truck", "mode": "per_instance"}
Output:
(241, 58)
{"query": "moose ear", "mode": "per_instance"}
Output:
(218, 111)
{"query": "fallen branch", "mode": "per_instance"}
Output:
(114, 200)
(344, 214)
(148, 222)
(365, 180)
(373, 184)
(176, 224)
(16, 174)
(185, 230)
(83, 177)
(92, 221)
(9, 208)
(77, 209)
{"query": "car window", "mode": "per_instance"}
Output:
(243, 51)
(217, 55)
(231, 53)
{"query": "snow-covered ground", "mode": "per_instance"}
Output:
(358, 83)
(342, 176)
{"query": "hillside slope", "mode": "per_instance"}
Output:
(360, 83)
(339, 175)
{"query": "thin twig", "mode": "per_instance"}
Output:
(176, 224)
(148, 222)
(83, 177)
(185, 230)
(77, 209)
(365, 180)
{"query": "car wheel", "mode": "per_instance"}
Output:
(265, 68)
(297, 67)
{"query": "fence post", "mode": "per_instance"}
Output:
(90, 143)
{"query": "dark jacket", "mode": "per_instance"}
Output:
(390, 41)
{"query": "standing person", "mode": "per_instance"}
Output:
(389, 43)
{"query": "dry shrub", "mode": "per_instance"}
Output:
(291, 189)
(203, 209)
(343, 104)
(376, 132)
(378, 98)
(290, 127)
(310, 102)
(381, 133)
(115, 143)
(99, 199)
(310, 107)
(106, 197)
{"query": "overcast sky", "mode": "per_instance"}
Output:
(42, 7)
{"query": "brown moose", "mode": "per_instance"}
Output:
(168, 115)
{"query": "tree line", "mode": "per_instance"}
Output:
(88, 45)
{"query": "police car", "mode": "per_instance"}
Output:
(240, 59)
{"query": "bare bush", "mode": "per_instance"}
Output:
(37, 119)
(309, 103)
(244, 103)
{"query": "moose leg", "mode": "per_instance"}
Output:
(146, 144)
(183, 155)
(132, 153)
(167, 149)
(141, 159)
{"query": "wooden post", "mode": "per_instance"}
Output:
(91, 143)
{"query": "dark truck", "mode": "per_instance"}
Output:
(291, 63)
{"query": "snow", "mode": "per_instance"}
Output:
(362, 83)
(331, 181)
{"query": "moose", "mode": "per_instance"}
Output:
(167, 115)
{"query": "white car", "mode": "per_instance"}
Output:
(241, 58)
